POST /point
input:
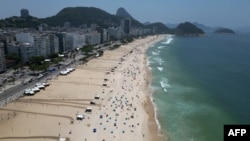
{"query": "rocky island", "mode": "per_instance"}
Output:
(224, 31)
(188, 29)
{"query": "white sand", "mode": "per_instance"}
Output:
(122, 102)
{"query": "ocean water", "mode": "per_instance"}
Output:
(200, 84)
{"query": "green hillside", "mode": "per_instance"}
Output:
(188, 28)
(77, 16)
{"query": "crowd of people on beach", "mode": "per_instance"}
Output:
(125, 98)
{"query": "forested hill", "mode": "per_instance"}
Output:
(224, 31)
(188, 29)
(76, 16)
(86, 15)
(159, 28)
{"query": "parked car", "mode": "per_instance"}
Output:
(29, 92)
(46, 84)
(40, 86)
(35, 89)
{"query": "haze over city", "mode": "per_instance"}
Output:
(227, 13)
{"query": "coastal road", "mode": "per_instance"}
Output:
(11, 91)
(18, 88)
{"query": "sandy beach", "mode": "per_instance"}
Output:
(114, 87)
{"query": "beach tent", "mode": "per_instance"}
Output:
(62, 139)
(88, 109)
(97, 97)
(79, 117)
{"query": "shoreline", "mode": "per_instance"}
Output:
(154, 126)
(122, 111)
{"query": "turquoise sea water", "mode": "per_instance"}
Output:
(200, 84)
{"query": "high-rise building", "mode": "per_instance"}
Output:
(6, 39)
(39, 42)
(104, 34)
(2, 58)
(79, 40)
(65, 42)
(24, 13)
(25, 38)
(93, 38)
(24, 50)
(53, 44)
(68, 42)
(42, 45)
(126, 25)
(114, 33)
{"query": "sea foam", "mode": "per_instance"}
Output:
(164, 84)
(160, 68)
(169, 40)
(155, 53)
(155, 109)
(160, 47)
(158, 59)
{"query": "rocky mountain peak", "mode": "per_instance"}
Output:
(121, 12)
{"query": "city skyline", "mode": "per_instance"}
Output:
(226, 13)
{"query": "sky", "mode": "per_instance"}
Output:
(214, 13)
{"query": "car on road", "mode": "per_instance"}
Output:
(31, 79)
(40, 76)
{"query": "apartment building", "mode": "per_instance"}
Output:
(2, 58)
